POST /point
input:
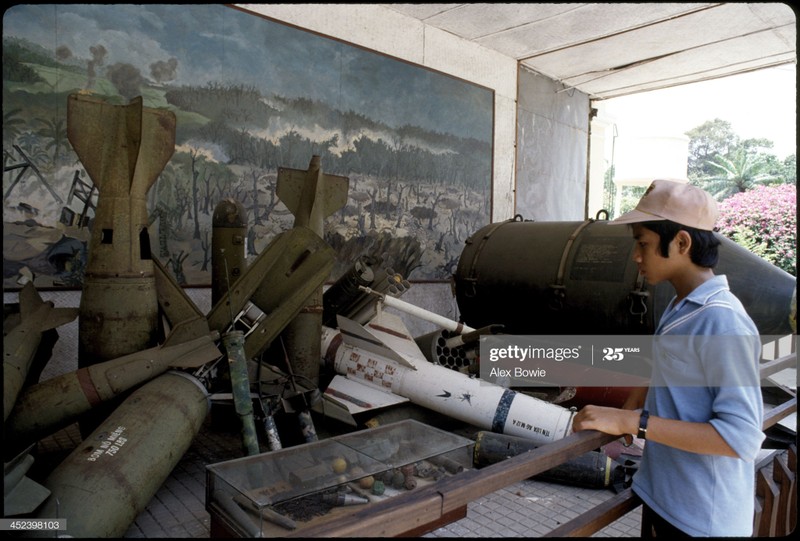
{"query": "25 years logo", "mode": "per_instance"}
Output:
(617, 354)
(613, 354)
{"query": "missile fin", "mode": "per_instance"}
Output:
(390, 329)
(289, 187)
(108, 139)
(59, 316)
(293, 183)
(336, 189)
(21, 495)
(29, 300)
(41, 315)
(156, 147)
(98, 132)
(363, 338)
(359, 396)
(187, 321)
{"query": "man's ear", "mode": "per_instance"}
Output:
(684, 241)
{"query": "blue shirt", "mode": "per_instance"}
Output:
(706, 354)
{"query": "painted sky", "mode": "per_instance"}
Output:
(215, 43)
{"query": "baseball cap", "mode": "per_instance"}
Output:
(675, 201)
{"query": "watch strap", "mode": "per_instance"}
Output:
(642, 434)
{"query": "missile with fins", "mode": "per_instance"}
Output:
(381, 359)
(311, 196)
(21, 494)
(273, 288)
(21, 343)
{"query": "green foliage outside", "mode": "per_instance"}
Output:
(756, 191)
(754, 188)
(764, 220)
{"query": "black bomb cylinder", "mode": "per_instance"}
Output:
(579, 278)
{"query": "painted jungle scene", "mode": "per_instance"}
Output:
(250, 96)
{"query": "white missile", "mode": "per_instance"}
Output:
(380, 360)
(421, 313)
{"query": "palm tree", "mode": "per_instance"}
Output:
(739, 173)
(54, 133)
(12, 125)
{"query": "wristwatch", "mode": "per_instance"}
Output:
(643, 425)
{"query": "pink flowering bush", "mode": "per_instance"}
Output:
(764, 220)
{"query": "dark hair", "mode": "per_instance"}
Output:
(705, 244)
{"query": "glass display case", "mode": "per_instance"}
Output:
(279, 491)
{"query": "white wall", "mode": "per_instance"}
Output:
(552, 149)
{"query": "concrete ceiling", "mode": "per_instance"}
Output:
(611, 50)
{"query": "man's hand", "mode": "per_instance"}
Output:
(612, 421)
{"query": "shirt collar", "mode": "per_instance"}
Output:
(702, 293)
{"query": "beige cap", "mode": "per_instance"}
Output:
(675, 201)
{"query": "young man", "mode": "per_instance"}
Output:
(702, 413)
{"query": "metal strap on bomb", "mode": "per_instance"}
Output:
(559, 290)
(249, 317)
(639, 293)
(472, 275)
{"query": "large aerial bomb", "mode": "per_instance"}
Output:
(107, 480)
(51, 405)
(123, 149)
(546, 278)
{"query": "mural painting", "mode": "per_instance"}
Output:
(250, 95)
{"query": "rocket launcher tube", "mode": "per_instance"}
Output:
(240, 386)
(474, 336)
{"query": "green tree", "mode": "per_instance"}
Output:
(707, 141)
(608, 192)
(756, 145)
(54, 134)
(739, 173)
(787, 170)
